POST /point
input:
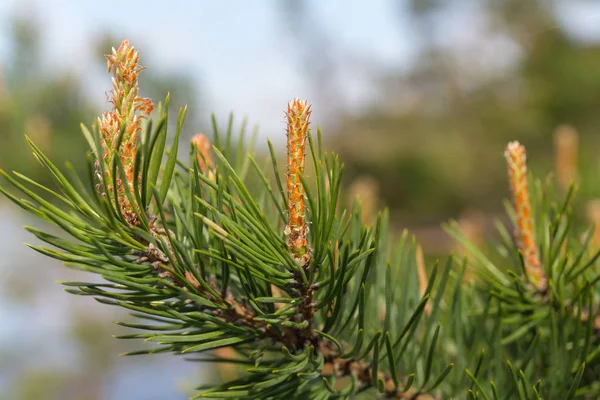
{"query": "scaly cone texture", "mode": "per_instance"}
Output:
(126, 114)
(298, 115)
(517, 173)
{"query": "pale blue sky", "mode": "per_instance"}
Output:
(239, 52)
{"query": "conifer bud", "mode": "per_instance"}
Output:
(126, 114)
(593, 218)
(566, 146)
(422, 277)
(517, 172)
(472, 224)
(365, 190)
(202, 144)
(203, 155)
(298, 115)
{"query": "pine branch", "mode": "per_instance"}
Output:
(213, 255)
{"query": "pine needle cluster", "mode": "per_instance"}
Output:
(306, 300)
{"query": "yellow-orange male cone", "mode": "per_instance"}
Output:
(298, 116)
(517, 173)
(126, 114)
(566, 149)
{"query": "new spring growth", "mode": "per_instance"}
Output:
(298, 115)
(422, 276)
(126, 114)
(566, 148)
(517, 173)
(202, 144)
(203, 155)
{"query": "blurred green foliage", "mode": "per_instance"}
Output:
(47, 107)
(435, 137)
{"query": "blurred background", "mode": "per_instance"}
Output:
(419, 97)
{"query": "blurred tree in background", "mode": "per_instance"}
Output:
(433, 135)
(47, 107)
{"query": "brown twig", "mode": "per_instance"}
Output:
(361, 371)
